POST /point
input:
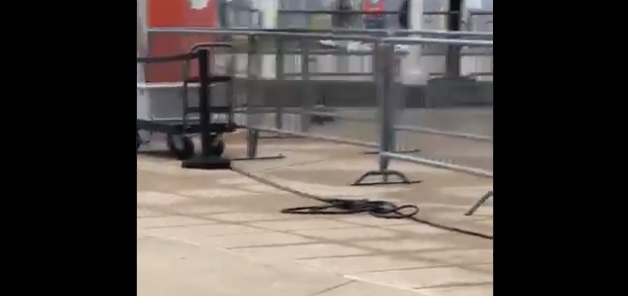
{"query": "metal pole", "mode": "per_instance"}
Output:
(252, 70)
(280, 68)
(204, 97)
(452, 60)
(382, 84)
(307, 103)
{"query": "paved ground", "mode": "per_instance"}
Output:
(219, 233)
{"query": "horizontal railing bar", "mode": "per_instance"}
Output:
(249, 31)
(315, 136)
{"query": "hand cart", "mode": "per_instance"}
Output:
(155, 109)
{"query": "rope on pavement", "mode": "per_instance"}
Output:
(341, 206)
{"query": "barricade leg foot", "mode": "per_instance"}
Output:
(252, 138)
(201, 162)
(409, 151)
(479, 203)
(385, 174)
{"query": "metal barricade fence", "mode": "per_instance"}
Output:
(324, 65)
(271, 99)
(325, 15)
(277, 51)
(452, 135)
(451, 132)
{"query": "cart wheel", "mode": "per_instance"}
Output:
(138, 141)
(181, 146)
(218, 149)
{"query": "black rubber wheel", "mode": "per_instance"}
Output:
(181, 146)
(218, 149)
(138, 141)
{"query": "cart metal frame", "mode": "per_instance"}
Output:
(179, 131)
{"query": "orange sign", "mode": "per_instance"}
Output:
(176, 14)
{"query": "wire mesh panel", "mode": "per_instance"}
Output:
(298, 92)
(453, 122)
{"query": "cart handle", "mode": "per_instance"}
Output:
(171, 58)
(196, 46)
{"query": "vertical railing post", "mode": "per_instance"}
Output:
(203, 97)
(232, 66)
(383, 59)
(307, 103)
(280, 68)
(253, 69)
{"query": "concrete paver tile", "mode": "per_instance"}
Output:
(358, 264)
(488, 223)
(417, 244)
(347, 233)
(482, 290)
(169, 221)
(173, 268)
(200, 209)
(141, 235)
(484, 210)
(216, 193)
(427, 277)
(471, 192)
(304, 224)
(459, 257)
(463, 241)
(237, 181)
(418, 229)
(254, 240)
(357, 288)
(302, 251)
(158, 198)
(488, 268)
(200, 231)
(372, 221)
(251, 217)
(143, 213)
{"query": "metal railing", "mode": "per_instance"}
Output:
(346, 59)
(380, 112)
(317, 15)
